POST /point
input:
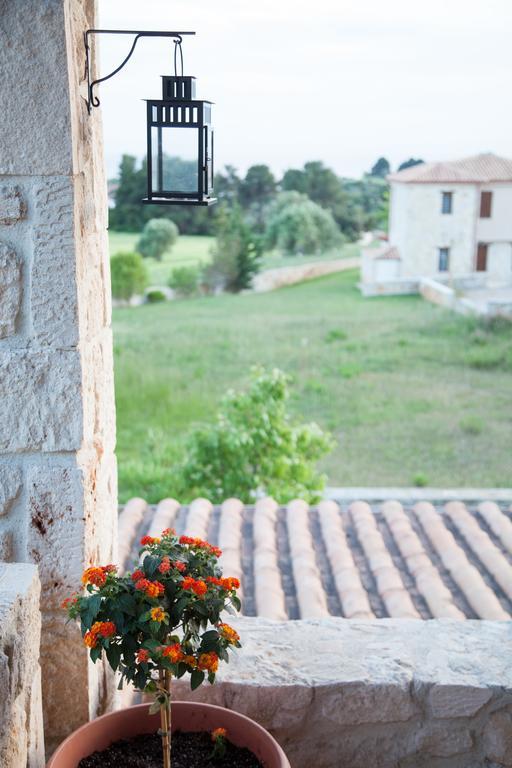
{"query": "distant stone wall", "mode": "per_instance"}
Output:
(21, 716)
(386, 694)
(57, 418)
(270, 279)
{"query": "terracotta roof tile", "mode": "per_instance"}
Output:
(480, 169)
(354, 560)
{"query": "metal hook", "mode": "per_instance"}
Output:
(177, 46)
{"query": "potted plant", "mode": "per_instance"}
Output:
(164, 621)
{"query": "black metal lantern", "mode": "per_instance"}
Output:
(179, 132)
(180, 146)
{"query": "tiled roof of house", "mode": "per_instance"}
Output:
(399, 560)
(387, 253)
(482, 169)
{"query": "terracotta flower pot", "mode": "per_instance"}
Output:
(186, 716)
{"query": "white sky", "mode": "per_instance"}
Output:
(342, 81)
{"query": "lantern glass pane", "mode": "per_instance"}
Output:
(175, 160)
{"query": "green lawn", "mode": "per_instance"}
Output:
(411, 392)
(189, 250)
(195, 250)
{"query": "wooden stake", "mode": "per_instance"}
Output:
(165, 723)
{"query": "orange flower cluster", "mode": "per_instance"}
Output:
(228, 633)
(157, 614)
(69, 601)
(229, 584)
(98, 574)
(146, 540)
(219, 733)
(208, 662)
(165, 565)
(174, 653)
(150, 588)
(181, 567)
(136, 575)
(142, 655)
(169, 532)
(198, 586)
(200, 544)
(99, 629)
(191, 661)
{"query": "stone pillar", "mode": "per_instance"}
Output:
(57, 420)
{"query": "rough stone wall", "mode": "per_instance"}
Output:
(382, 694)
(21, 734)
(57, 418)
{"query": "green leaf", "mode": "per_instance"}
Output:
(150, 565)
(196, 679)
(236, 602)
(96, 653)
(154, 708)
(113, 655)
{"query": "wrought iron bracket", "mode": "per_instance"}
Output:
(92, 99)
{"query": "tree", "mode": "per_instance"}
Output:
(254, 446)
(227, 185)
(236, 254)
(130, 214)
(381, 168)
(324, 187)
(128, 274)
(297, 225)
(256, 191)
(158, 236)
(410, 163)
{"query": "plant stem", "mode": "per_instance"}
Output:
(168, 677)
(165, 723)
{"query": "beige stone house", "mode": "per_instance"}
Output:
(450, 221)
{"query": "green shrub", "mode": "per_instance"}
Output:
(128, 274)
(420, 480)
(184, 280)
(255, 447)
(335, 335)
(158, 236)
(472, 425)
(155, 296)
(487, 358)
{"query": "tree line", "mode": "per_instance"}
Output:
(356, 205)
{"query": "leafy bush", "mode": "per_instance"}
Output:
(158, 236)
(155, 296)
(297, 225)
(472, 425)
(236, 254)
(184, 280)
(420, 480)
(128, 274)
(255, 447)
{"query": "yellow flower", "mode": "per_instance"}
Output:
(158, 614)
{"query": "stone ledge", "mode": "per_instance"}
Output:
(21, 731)
(383, 694)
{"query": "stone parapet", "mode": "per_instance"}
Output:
(367, 694)
(21, 717)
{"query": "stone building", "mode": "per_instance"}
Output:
(448, 221)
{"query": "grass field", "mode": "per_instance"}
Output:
(195, 249)
(411, 392)
(189, 250)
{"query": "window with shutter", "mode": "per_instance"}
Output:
(485, 205)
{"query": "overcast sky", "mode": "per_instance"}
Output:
(342, 81)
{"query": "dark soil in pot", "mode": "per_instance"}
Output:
(189, 750)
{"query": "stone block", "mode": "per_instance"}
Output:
(41, 403)
(10, 486)
(447, 701)
(54, 292)
(21, 734)
(56, 525)
(498, 738)
(10, 290)
(12, 205)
